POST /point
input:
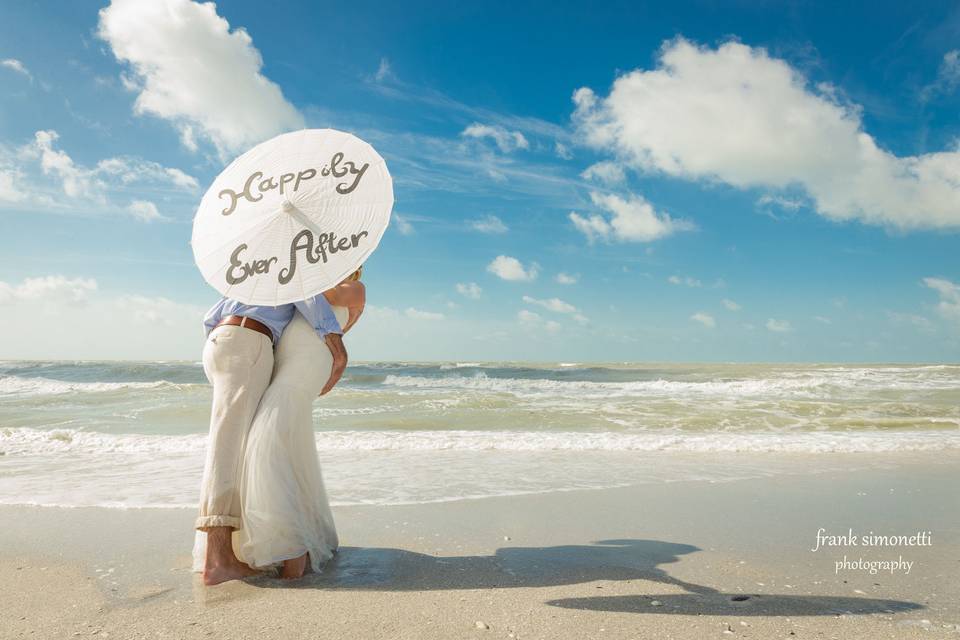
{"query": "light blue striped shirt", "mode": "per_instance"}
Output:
(316, 310)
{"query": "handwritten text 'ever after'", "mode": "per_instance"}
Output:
(326, 244)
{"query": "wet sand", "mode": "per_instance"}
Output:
(679, 560)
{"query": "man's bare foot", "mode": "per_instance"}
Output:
(216, 574)
(222, 563)
(294, 568)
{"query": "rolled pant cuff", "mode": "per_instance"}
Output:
(205, 522)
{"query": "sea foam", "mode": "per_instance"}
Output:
(818, 384)
(33, 442)
(13, 385)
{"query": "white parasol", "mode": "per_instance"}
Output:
(292, 217)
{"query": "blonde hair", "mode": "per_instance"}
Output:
(356, 274)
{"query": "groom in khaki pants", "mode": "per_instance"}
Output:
(238, 361)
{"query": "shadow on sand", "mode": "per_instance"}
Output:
(626, 559)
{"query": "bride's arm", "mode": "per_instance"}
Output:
(352, 295)
(335, 344)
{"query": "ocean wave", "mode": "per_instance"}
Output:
(744, 387)
(18, 386)
(38, 442)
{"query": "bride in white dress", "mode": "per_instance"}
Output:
(287, 521)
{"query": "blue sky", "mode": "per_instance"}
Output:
(709, 182)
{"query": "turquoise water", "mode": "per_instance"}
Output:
(131, 434)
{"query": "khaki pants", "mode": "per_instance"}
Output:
(238, 363)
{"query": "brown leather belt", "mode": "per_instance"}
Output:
(249, 323)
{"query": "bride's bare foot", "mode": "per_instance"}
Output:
(294, 568)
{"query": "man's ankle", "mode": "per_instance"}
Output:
(220, 546)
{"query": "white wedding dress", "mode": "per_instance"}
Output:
(285, 509)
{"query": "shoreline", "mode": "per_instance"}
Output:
(549, 565)
(475, 475)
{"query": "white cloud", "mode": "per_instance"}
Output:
(76, 182)
(633, 220)
(380, 312)
(507, 141)
(383, 71)
(489, 224)
(736, 115)
(532, 320)
(187, 137)
(562, 151)
(580, 318)
(730, 304)
(509, 268)
(566, 278)
(607, 172)
(433, 99)
(823, 319)
(949, 306)
(778, 326)
(11, 187)
(145, 211)
(593, 227)
(948, 76)
(920, 322)
(402, 223)
(56, 288)
(112, 326)
(39, 174)
(790, 204)
(528, 316)
(553, 304)
(181, 179)
(705, 319)
(469, 289)
(685, 280)
(190, 69)
(128, 170)
(15, 65)
(147, 310)
(431, 164)
(419, 314)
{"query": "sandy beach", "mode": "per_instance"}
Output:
(675, 560)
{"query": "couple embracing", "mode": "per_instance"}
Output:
(263, 503)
